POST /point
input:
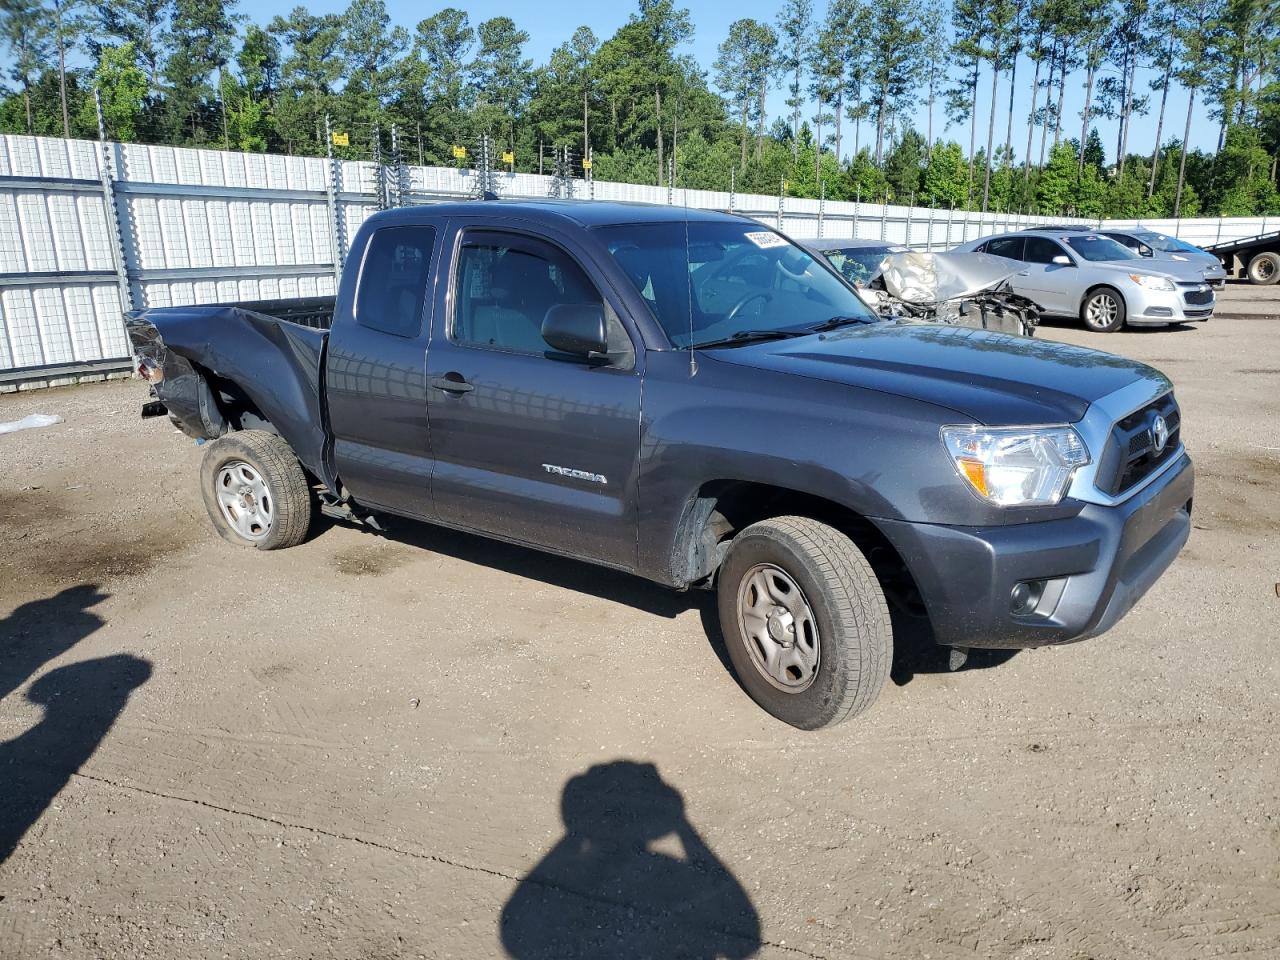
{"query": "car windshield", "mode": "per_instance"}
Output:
(1167, 244)
(707, 281)
(858, 264)
(1097, 249)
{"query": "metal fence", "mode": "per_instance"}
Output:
(89, 230)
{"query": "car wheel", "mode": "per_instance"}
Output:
(1265, 269)
(805, 621)
(255, 490)
(1103, 310)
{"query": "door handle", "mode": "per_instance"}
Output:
(452, 383)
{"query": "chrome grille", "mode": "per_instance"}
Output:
(1131, 453)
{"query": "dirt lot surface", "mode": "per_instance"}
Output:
(434, 746)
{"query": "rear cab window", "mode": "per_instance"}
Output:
(393, 280)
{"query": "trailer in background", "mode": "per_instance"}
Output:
(1257, 258)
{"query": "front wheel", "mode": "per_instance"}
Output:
(1103, 311)
(255, 490)
(805, 621)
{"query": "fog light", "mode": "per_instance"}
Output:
(1025, 597)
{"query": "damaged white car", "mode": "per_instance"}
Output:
(965, 289)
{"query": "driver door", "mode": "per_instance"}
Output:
(530, 445)
(1054, 286)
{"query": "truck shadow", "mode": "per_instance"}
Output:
(611, 887)
(81, 702)
(915, 651)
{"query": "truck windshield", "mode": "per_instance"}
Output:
(721, 279)
(1099, 249)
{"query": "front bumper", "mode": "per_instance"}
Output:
(1096, 565)
(1159, 307)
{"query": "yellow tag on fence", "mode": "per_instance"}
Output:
(459, 152)
(508, 157)
(341, 140)
(586, 164)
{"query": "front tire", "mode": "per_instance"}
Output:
(805, 621)
(1264, 269)
(255, 491)
(1103, 310)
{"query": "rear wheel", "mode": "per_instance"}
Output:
(255, 490)
(1265, 269)
(1103, 310)
(805, 621)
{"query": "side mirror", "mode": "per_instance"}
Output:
(576, 328)
(1146, 251)
(1061, 260)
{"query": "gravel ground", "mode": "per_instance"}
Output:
(429, 745)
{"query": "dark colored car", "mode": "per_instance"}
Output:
(692, 398)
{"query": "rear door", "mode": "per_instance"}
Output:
(529, 445)
(1054, 286)
(375, 371)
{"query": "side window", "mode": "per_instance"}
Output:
(1010, 247)
(505, 288)
(1131, 242)
(393, 280)
(1042, 250)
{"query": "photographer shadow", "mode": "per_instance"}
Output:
(611, 887)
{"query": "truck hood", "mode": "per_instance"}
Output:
(991, 378)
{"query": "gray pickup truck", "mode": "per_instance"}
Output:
(690, 397)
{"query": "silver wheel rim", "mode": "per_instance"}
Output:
(245, 500)
(779, 628)
(1102, 310)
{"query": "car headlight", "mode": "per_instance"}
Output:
(1016, 466)
(1164, 284)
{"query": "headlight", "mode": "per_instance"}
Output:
(1164, 284)
(1016, 466)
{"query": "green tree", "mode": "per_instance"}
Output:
(795, 23)
(26, 34)
(123, 88)
(141, 23)
(904, 166)
(1197, 39)
(896, 38)
(310, 68)
(442, 50)
(500, 76)
(371, 48)
(946, 177)
(202, 34)
(742, 74)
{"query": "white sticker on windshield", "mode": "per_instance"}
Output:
(897, 249)
(766, 239)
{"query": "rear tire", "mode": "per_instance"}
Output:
(255, 491)
(1103, 310)
(805, 621)
(1264, 269)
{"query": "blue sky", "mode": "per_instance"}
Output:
(551, 22)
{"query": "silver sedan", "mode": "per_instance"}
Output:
(1073, 273)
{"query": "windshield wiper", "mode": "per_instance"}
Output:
(743, 337)
(835, 323)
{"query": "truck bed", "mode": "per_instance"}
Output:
(314, 312)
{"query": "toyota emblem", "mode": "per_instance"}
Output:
(1159, 433)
